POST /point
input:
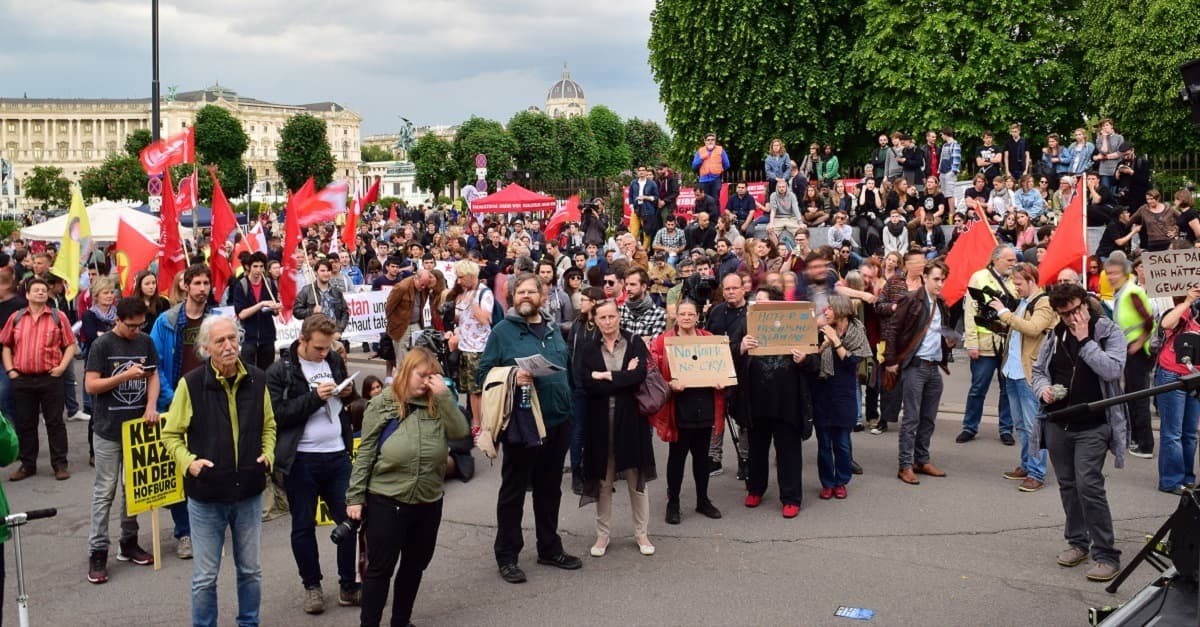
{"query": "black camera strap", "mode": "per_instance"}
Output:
(1000, 280)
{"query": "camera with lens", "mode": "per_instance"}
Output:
(985, 316)
(347, 529)
(699, 288)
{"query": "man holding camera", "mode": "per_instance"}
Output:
(721, 319)
(984, 340)
(312, 451)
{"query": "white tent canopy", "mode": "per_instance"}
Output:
(103, 217)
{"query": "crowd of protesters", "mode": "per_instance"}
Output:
(597, 301)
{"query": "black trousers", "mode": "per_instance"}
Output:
(396, 532)
(33, 393)
(871, 404)
(787, 458)
(694, 441)
(540, 467)
(260, 355)
(1138, 369)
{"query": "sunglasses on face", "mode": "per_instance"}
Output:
(610, 283)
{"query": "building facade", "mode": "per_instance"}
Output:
(565, 98)
(77, 134)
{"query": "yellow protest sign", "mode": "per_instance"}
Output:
(701, 362)
(324, 519)
(781, 326)
(151, 476)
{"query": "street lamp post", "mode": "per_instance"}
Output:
(154, 112)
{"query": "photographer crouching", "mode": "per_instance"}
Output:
(399, 477)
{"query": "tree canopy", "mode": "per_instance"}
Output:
(303, 152)
(482, 136)
(376, 153)
(538, 148)
(648, 142)
(47, 184)
(434, 163)
(614, 154)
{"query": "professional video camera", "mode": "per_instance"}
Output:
(699, 288)
(985, 316)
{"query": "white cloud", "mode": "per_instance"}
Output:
(433, 61)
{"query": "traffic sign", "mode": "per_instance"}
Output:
(481, 160)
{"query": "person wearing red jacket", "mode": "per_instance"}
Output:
(688, 420)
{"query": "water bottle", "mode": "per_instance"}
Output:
(525, 401)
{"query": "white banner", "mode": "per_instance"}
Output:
(367, 319)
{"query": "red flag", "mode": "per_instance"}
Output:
(185, 200)
(164, 153)
(349, 231)
(253, 242)
(324, 206)
(291, 243)
(970, 254)
(1068, 245)
(173, 261)
(223, 225)
(135, 251)
(392, 215)
(569, 212)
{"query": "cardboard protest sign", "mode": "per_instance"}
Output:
(781, 326)
(701, 362)
(324, 518)
(1171, 272)
(151, 476)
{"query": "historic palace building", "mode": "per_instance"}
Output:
(77, 134)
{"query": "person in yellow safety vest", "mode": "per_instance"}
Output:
(1132, 312)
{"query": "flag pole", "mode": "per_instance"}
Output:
(1086, 245)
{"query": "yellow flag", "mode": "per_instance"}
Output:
(76, 242)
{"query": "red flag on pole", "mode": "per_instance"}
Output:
(291, 244)
(349, 231)
(185, 200)
(134, 251)
(970, 254)
(324, 206)
(392, 215)
(569, 212)
(173, 260)
(164, 153)
(223, 225)
(1068, 245)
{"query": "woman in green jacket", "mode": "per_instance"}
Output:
(8, 454)
(398, 476)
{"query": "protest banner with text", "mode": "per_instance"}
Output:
(151, 477)
(701, 362)
(780, 327)
(1171, 272)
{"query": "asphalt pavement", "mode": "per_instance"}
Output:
(967, 549)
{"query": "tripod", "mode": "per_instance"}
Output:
(14, 523)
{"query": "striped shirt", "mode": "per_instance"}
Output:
(37, 341)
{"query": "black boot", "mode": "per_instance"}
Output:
(708, 509)
(673, 512)
(743, 469)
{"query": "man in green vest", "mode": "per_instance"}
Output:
(1132, 313)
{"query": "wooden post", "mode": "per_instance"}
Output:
(156, 543)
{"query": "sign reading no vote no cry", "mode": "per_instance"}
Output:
(1171, 272)
(701, 362)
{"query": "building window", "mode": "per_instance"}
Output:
(87, 126)
(64, 149)
(395, 189)
(37, 127)
(111, 126)
(346, 151)
(12, 127)
(183, 124)
(87, 150)
(251, 128)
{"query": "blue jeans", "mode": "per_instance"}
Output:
(244, 519)
(833, 456)
(179, 515)
(1024, 406)
(982, 370)
(1178, 414)
(325, 475)
(70, 390)
(712, 188)
(7, 407)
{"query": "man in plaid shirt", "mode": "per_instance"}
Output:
(639, 314)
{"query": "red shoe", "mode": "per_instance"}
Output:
(839, 492)
(826, 494)
(753, 500)
(790, 511)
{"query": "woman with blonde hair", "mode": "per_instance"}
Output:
(178, 289)
(397, 483)
(778, 163)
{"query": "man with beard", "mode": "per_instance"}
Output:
(985, 347)
(409, 308)
(639, 314)
(703, 234)
(668, 192)
(524, 333)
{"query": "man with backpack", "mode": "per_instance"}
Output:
(312, 450)
(474, 308)
(253, 299)
(409, 309)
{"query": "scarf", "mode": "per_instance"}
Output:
(638, 307)
(895, 228)
(110, 317)
(855, 342)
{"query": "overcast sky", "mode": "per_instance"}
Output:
(432, 61)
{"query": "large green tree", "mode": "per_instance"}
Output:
(48, 185)
(751, 70)
(580, 150)
(648, 142)
(537, 145)
(138, 140)
(303, 152)
(376, 153)
(615, 156)
(221, 141)
(1132, 53)
(482, 136)
(434, 162)
(119, 177)
(979, 64)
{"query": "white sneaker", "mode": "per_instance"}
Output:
(79, 416)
